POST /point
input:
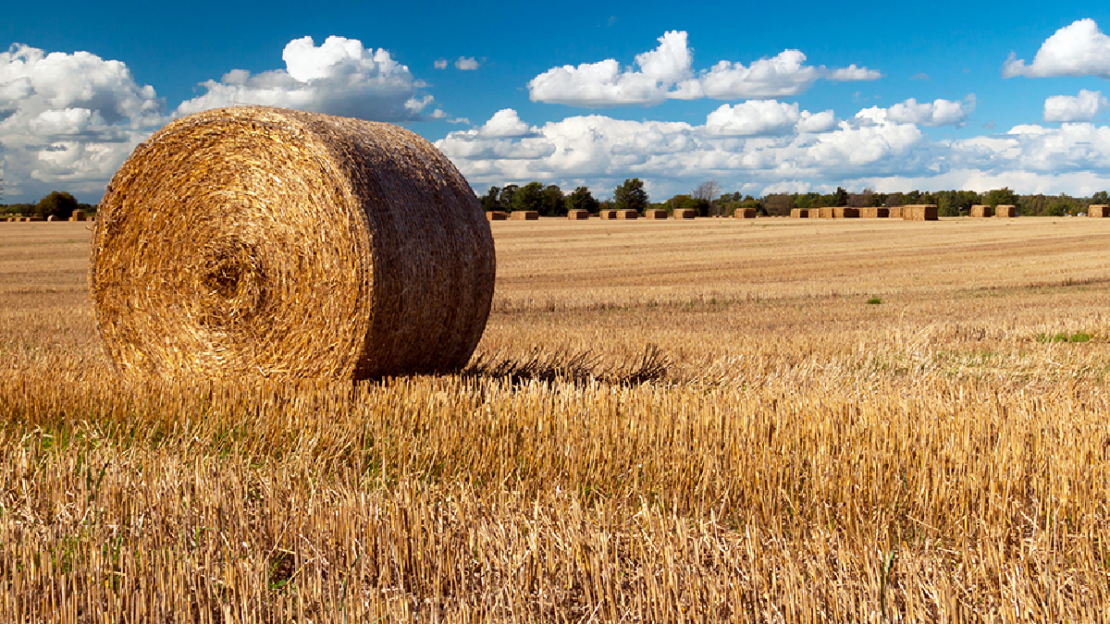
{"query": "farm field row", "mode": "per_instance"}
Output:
(715, 420)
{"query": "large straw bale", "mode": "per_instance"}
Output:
(607, 215)
(1005, 210)
(799, 213)
(1099, 211)
(655, 213)
(895, 212)
(979, 210)
(627, 215)
(578, 215)
(685, 213)
(78, 215)
(263, 241)
(874, 212)
(919, 212)
(496, 215)
(844, 212)
(824, 213)
(524, 215)
(744, 213)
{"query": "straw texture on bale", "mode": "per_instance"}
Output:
(1005, 210)
(685, 213)
(627, 215)
(744, 213)
(1099, 211)
(578, 215)
(78, 215)
(799, 213)
(262, 241)
(979, 210)
(655, 213)
(496, 215)
(843, 212)
(607, 215)
(874, 212)
(525, 215)
(919, 212)
(895, 212)
(825, 213)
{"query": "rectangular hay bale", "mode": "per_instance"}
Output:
(1099, 211)
(627, 215)
(824, 213)
(799, 213)
(496, 215)
(1005, 210)
(685, 213)
(874, 212)
(744, 213)
(578, 215)
(525, 215)
(655, 213)
(844, 212)
(979, 211)
(607, 215)
(919, 212)
(894, 212)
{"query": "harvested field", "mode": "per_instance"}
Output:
(739, 437)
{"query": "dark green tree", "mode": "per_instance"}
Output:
(57, 204)
(1101, 198)
(529, 197)
(699, 205)
(582, 199)
(554, 203)
(506, 196)
(631, 195)
(1001, 197)
(491, 200)
(779, 205)
(839, 198)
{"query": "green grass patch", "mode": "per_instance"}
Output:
(1064, 337)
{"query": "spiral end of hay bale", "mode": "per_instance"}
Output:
(261, 241)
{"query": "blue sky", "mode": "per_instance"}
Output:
(762, 97)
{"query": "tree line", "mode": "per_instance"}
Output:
(707, 200)
(57, 204)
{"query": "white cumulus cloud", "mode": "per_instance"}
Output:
(667, 73)
(466, 63)
(68, 119)
(936, 113)
(1084, 107)
(1078, 49)
(340, 77)
(441, 64)
(753, 118)
(504, 123)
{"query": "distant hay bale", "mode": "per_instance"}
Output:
(685, 213)
(824, 213)
(874, 212)
(919, 212)
(496, 215)
(799, 213)
(979, 210)
(525, 215)
(1098, 211)
(578, 215)
(844, 212)
(744, 213)
(1005, 210)
(627, 215)
(33, 219)
(655, 213)
(268, 242)
(607, 215)
(78, 215)
(894, 212)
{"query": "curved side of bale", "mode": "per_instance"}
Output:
(261, 241)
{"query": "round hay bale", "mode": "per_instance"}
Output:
(263, 241)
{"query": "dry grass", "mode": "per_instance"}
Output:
(738, 438)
